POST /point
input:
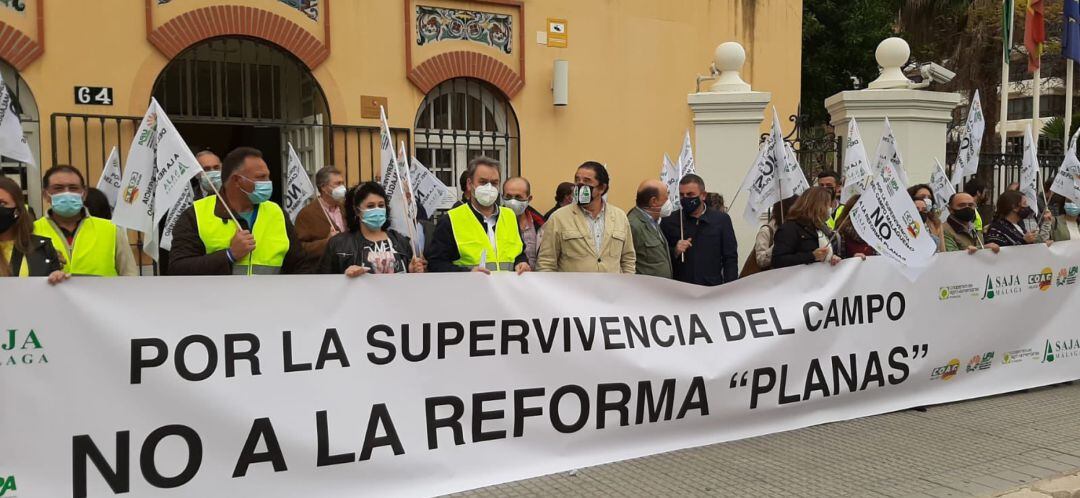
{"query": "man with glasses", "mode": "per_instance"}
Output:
(207, 240)
(88, 245)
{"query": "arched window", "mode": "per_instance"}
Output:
(463, 118)
(29, 176)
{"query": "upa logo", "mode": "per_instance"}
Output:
(7, 484)
(1067, 276)
(19, 348)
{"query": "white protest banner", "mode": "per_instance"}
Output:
(669, 175)
(1067, 181)
(12, 141)
(309, 396)
(943, 190)
(967, 157)
(387, 161)
(856, 167)
(159, 170)
(109, 183)
(887, 152)
(686, 157)
(431, 193)
(760, 184)
(298, 187)
(794, 180)
(887, 219)
(402, 203)
(1029, 171)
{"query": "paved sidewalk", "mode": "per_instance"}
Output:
(1060, 487)
(984, 447)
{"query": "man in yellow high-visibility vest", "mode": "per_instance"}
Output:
(207, 241)
(87, 244)
(478, 235)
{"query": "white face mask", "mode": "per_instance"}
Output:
(667, 209)
(518, 207)
(486, 195)
(338, 193)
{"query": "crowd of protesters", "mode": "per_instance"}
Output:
(233, 228)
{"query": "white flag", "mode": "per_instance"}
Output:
(793, 180)
(760, 184)
(402, 211)
(1029, 171)
(387, 161)
(1067, 180)
(943, 190)
(669, 176)
(431, 193)
(109, 183)
(686, 158)
(856, 167)
(887, 152)
(12, 141)
(159, 170)
(187, 198)
(298, 187)
(886, 218)
(967, 158)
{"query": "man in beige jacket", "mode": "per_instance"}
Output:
(588, 235)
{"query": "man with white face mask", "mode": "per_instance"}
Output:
(322, 219)
(650, 245)
(517, 194)
(479, 236)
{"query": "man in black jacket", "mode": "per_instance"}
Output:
(705, 251)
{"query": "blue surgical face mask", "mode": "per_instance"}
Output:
(263, 190)
(210, 181)
(1072, 209)
(67, 204)
(373, 218)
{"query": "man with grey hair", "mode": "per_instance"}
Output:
(324, 218)
(210, 179)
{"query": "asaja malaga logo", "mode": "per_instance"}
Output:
(1060, 349)
(1042, 280)
(21, 348)
(1001, 285)
(7, 484)
(947, 371)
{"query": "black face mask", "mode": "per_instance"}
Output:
(1025, 213)
(690, 204)
(965, 215)
(8, 217)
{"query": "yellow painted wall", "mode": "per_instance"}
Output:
(632, 63)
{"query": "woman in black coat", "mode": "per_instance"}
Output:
(369, 246)
(23, 254)
(804, 238)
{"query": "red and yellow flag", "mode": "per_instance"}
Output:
(1034, 33)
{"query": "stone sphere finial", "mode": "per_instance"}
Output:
(729, 58)
(892, 54)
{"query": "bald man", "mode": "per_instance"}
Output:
(517, 194)
(653, 253)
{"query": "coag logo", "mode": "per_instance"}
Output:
(21, 348)
(1042, 280)
(947, 371)
(7, 484)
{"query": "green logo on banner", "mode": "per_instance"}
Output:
(19, 348)
(7, 484)
(989, 292)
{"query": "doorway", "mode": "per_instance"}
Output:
(222, 138)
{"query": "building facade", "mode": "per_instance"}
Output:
(457, 79)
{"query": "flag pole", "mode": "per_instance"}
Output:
(1006, 50)
(1068, 99)
(1036, 91)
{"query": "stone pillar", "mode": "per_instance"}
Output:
(727, 122)
(919, 118)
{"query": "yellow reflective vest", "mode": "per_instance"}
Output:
(92, 251)
(473, 241)
(831, 222)
(271, 237)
